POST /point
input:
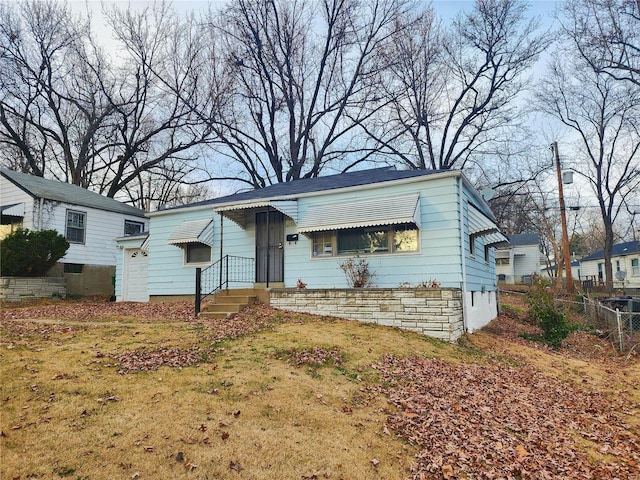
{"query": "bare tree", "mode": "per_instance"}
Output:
(152, 123)
(451, 93)
(604, 116)
(69, 112)
(607, 35)
(303, 82)
(51, 100)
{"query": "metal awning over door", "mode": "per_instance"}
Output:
(237, 212)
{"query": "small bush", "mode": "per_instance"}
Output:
(544, 313)
(357, 272)
(26, 253)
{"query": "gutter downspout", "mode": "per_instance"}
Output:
(462, 253)
(40, 208)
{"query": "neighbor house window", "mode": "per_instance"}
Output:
(635, 266)
(133, 228)
(197, 253)
(73, 268)
(366, 240)
(76, 225)
(502, 261)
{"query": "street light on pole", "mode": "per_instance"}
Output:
(563, 217)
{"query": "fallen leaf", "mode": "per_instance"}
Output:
(447, 472)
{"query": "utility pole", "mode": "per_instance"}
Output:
(563, 217)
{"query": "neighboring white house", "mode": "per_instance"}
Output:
(625, 257)
(412, 227)
(90, 222)
(518, 261)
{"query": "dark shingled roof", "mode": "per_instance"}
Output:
(521, 239)
(627, 248)
(39, 187)
(318, 184)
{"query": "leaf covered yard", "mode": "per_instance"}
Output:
(94, 390)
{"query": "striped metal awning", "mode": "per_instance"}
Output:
(193, 231)
(362, 213)
(236, 212)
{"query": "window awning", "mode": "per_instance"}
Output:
(193, 231)
(362, 213)
(12, 210)
(236, 212)
(482, 226)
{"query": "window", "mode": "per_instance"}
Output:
(405, 238)
(472, 244)
(322, 244)
(617, 265)
(366, 240)
(502, 261)
(486, 253)
(133, 228)
(76, 225)
(635, 266)
(363, 240)
(197, 253)
(73, 268)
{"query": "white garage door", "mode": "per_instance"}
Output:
(134, 285)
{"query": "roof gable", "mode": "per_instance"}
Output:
(39, 187)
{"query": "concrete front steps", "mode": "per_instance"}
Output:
(229, 302)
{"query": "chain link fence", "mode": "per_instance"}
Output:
(619, 317)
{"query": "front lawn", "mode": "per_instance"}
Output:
(99, 390)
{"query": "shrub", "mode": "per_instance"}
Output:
(26, 253)
(357, 272)
(545, 313)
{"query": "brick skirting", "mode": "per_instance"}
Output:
(436, 312)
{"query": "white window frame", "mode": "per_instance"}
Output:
(133, 222)
(82, 215)
(635, 269)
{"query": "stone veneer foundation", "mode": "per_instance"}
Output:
(15, 289)
(436, 312)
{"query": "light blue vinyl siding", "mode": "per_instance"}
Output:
(440, 239)
(167, 273)
(437, 259)
(480, 271)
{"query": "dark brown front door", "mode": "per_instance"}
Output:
(269, 247)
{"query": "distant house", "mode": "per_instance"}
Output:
(519, 260)
(412, 227)
(625, 257)
(90, 222)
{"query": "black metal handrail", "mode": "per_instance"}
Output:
(218, 275)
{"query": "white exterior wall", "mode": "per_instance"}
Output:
(480, 309)
(101, 227)
(10, 193)
(523, 260)
(589, 268)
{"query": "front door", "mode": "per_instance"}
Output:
(269, 247)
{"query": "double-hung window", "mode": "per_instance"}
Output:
(76, 226)
(635, 266)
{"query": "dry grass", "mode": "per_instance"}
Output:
(245, 411)
(293, 397)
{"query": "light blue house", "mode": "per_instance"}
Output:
(412, 227)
